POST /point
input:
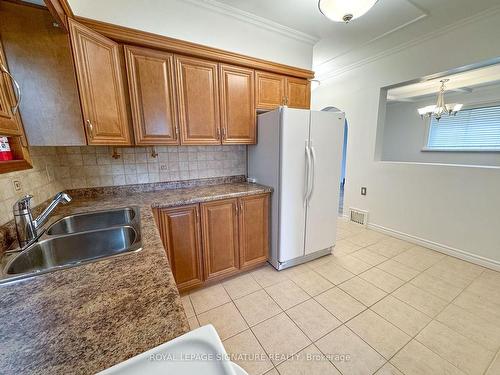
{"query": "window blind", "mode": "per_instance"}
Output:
(470, 129)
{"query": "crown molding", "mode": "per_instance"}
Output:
(255, 20)
(334, 73)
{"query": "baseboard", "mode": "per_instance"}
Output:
(457, 253)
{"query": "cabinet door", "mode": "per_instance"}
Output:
(180, 232)
(298, 93)
(151, 86)
(10, 123)
(198, 101)
(254, 230)
(220, 237)
(238, 115)
(270, 90)
(101, 85)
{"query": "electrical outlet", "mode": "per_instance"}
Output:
(363, 191)
(17, 185)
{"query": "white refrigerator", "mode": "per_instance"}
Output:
(299, 154)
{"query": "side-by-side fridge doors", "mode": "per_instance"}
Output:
(325, 147)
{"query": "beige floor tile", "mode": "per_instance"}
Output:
(268, 275)
(313, 264)
(334, 273)
(287, 294)
(340, 304)
(487, 285)
(416, 359)
(209, 298)
(385, 250)
(479, 305)
(226, 319)
(381, 279)
(494, 368)
(272, 372)
(280, 337)
(312, 282)
(455, 271)
(381, 335)
(472, 326)
(313, 319)
(309, 361)
(369, 257)
(188, 307)
(352, 264)
(388, 369)
(296, 270)
(240, 286)
(460, 351)
(436, 286)
(193, 322)
(366, 238)
(246, 351)
(419, 258)
(363, 291)
(257, 307)
(398, 269)
(420, 299)
(362, 358)
(345, 246)
(402, 315)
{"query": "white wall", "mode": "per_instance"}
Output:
(454, 207)
(405, 133)
(187, 20)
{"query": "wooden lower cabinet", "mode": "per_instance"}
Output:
(220, 238)
(216, 239)
(180, 232)
(254, 230)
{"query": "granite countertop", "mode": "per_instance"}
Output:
(84, 319)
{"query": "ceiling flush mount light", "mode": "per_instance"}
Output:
(441, 108)
(345, 10)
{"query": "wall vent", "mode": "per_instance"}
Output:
(358, 216)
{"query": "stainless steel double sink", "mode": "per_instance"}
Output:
(78, 239)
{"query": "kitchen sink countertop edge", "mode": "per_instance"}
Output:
(84, 319)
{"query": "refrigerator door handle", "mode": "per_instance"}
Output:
(307, 172)
(313, 170)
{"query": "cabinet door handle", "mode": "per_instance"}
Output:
(90, 128)
(218, 133)
(17, 87)
(176, 131)
(224, 133)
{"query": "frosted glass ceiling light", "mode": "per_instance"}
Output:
(345, 10)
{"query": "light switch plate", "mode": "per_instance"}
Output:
(17, 185)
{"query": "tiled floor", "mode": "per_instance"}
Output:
(379, 305)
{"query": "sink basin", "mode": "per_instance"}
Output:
(196, 352)
(73, 249)
(88, 221)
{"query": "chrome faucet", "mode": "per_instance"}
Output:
(27, 228)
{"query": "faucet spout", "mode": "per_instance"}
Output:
(58, 198)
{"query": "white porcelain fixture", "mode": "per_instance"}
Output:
(197, 352)
(345, 10)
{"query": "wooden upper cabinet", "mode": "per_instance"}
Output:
(10, 123)
(198, 101)
(180, 232)
(254, 230)
(100, 74)
(152, 96)
(270, 90)
(220, 237)
(298, 93)
(237, 95)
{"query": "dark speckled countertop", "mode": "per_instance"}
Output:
(84, 319)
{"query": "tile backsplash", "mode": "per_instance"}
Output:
(59, 168)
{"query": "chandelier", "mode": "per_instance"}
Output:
(345, 10)
(438, 110)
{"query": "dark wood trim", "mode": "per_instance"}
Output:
(56, 9)
(25, 3)
(127, 35)
(67, 8)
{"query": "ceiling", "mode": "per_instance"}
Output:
(465, 82)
